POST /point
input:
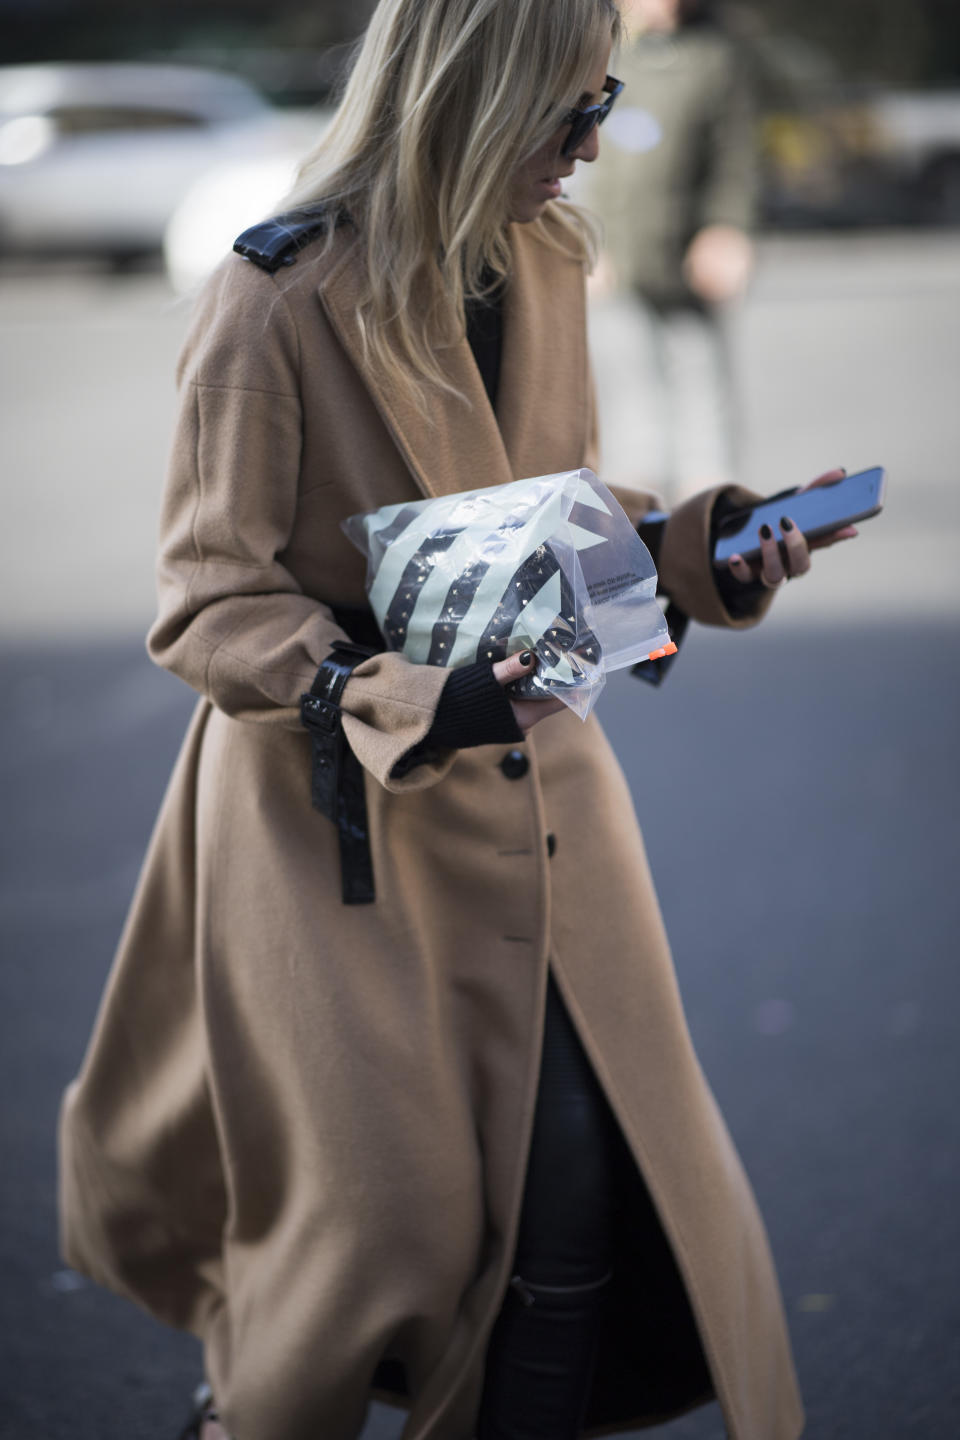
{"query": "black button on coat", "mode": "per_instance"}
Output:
(514, 764)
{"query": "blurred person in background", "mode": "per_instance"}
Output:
(676, 192)
(406, 1103)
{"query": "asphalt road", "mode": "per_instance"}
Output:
(797, 786)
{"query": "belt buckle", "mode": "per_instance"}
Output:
(319, 714)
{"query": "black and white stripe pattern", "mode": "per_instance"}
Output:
(480, 575)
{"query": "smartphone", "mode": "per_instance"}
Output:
(815, 512)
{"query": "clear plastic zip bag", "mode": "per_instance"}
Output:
(550, 564)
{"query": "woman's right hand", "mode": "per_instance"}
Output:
(528, 712)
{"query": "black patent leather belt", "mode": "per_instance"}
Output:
(336, 775)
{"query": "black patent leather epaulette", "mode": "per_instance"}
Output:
(279, 241)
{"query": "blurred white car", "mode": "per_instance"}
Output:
(227, 199)
(94, 159)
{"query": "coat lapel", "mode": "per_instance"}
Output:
(465, 446)
(457, 446)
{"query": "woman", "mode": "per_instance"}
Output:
(303, 1128)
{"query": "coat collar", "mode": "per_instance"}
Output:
(542, 406)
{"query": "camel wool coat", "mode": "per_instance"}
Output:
(301, 1127)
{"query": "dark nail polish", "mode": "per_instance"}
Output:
(786, 525)
(526, 657)
(765, 532)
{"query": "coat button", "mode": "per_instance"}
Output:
(514, 764)
(551, 845)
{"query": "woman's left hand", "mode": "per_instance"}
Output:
(526, 712)
(774, 567)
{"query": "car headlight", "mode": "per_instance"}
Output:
(25, 139)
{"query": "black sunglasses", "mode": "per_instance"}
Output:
(581, 122)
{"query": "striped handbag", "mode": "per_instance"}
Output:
(550, 564)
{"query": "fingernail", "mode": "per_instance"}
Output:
(765, 532)
(526, 657)
(786, 524)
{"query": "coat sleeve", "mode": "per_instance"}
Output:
(233, 622)
(685, 565)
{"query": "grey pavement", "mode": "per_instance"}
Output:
(797, 786)
(849, 353)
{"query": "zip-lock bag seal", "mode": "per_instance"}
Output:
(550, 564)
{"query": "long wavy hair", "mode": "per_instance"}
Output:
(445, 99)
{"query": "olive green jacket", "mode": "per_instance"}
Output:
(678, 153)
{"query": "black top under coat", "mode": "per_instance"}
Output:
(485, 337)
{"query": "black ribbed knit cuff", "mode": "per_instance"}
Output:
(739, 597)
(473, 710)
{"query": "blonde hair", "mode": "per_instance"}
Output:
(445, 100)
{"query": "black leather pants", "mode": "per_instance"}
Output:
(543, 1348)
